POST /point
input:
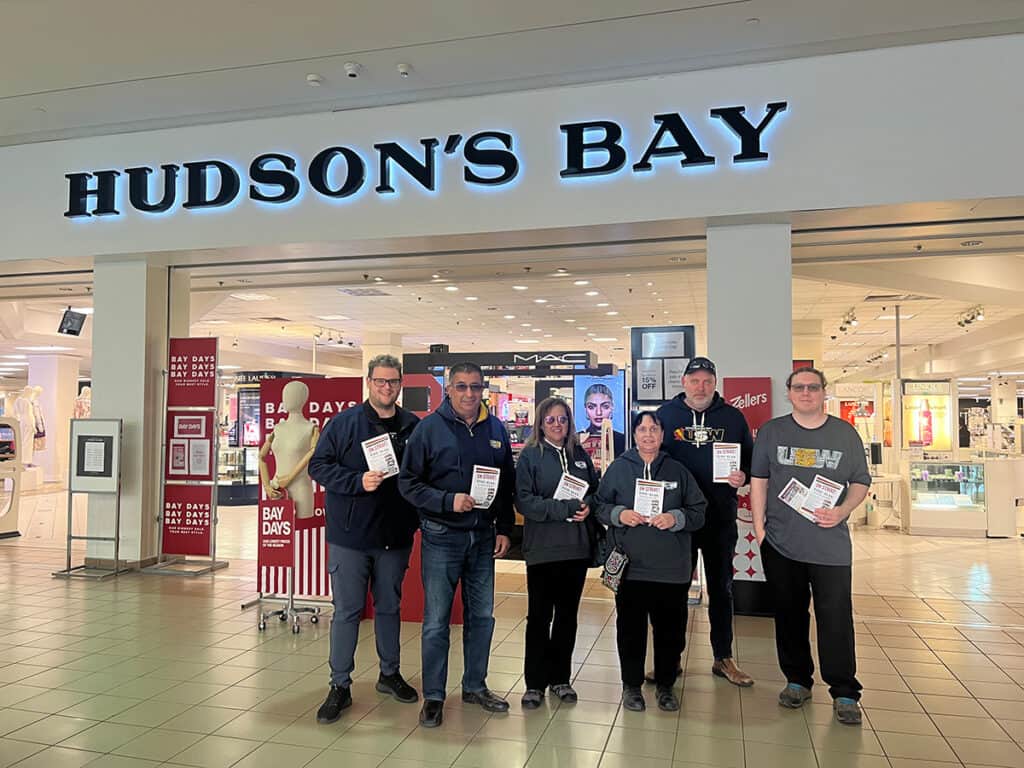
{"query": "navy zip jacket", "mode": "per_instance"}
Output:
(654, 555)
(438, 463)
(547, 536)
(724, 424)
(356, 518)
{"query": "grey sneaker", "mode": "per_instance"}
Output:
(633, 698)
(847, 711)
(793, 696)
(565, 693)
(533, 698)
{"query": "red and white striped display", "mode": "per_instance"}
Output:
(311, 578)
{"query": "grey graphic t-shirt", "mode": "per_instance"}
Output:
(784, 450)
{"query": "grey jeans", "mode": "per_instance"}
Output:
(352, 573)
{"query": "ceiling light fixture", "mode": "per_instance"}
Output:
(451, 288)
(590, 293)
(520, 288)
(581, 282)
(971, 243)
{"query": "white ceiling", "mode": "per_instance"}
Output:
(73, 69)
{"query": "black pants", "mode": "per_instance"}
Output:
(665, 606)
(718, 543)
(792, 583)
(554, 591)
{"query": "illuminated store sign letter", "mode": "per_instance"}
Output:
(79, 194)
(259, 173)
(504, 159)
(750, 137)
(685, 144)
(423, 172)
(577, 147)
(355, 172)
(138, 188)
(198, 189)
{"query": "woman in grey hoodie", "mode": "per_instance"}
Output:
(557, 542)
(656, 539)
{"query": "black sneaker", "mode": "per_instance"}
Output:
(338, 698)
(486, 699)
(398, 688)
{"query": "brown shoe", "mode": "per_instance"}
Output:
(727, 668)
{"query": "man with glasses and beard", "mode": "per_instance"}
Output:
(805, 547)
(461, 535)
(370, 530)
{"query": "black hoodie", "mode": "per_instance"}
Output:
(724, 424)
(654, 555)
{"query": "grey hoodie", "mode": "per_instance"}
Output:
(654, 555)
(547, 537)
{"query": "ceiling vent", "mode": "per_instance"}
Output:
(364, 292)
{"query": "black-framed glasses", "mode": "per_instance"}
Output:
(806, 387)
(463, 387)
(556, 420)
(386, 382)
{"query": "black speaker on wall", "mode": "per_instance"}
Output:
(876, 453)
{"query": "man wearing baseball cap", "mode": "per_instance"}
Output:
(693, 422)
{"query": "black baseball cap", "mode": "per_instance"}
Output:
(700, 364)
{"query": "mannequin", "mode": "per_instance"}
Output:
(292, 443)
(83, 404)
(27, 423)
(39, 436)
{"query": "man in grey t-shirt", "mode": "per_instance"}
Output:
(807, 551)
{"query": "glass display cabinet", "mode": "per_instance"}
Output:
(947, 498)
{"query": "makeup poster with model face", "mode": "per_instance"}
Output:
(597, 399)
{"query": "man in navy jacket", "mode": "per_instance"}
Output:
(460, 536)
(694, 421)
(370, 530)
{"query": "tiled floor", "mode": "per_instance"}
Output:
(149, 670)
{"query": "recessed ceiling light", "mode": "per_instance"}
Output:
(520, 288)
(251, 296)
(660, 299)
(14, 357)
(536, 330)
(602, 304)
(581, 282)
(590, 334)
(510, 317)
(561, 269)
(581, 327)
(677, 259)
(650, 285)
(590, 293)
(526, 341)
(971, 243)
(605, 338)
(612, 313)
(540, 301)
(893, 317)
(333, 317)
(568, 320)
(378, 279)
(472, 298)
(526, 325)
(452, 288)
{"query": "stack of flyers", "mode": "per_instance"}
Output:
(823, 494)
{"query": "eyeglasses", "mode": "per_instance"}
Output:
(463, 387)
(806, 387)
(386, 382)
(556, 419)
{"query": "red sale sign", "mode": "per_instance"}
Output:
(187, 519)
(276, 534)
(189, 445)
(192, 373)
(327, 398)
(753, 396)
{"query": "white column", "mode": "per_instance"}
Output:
(750, 303)
(58, 376)
(129, 353)
(379, 343)
(1004, 400)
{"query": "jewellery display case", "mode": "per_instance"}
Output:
(967, 498)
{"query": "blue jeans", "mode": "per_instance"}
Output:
(352, 571)
(448, 557)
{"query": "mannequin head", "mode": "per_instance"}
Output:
(28, 392)
(294, 396)
(36, 392)
(86, 392)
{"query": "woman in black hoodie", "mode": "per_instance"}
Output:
(557, 545)
(657, 579)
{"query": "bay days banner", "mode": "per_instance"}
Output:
(192, 373)
(327, 398)
(187, 518)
